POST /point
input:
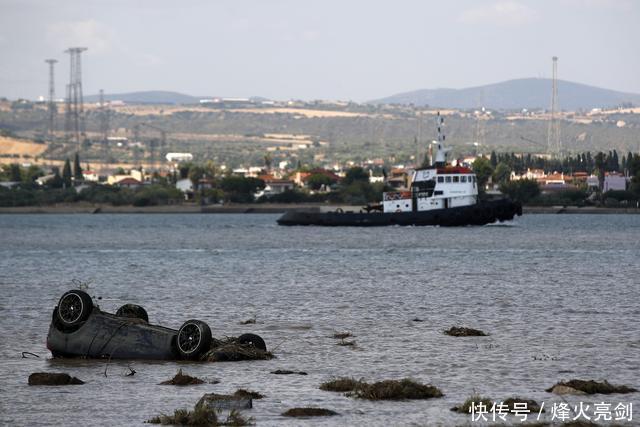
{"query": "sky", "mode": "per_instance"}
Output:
(325, 49)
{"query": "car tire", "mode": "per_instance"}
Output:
(193, 339)
(133, 311)
(254, 340)
(74, 307)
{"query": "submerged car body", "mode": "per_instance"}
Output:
(80, 329)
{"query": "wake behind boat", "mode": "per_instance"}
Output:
(440, 194)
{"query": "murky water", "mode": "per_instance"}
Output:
(558, 294)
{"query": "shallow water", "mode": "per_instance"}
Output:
(557, 293)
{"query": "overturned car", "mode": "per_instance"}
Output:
(80, 329)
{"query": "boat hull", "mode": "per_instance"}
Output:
(479, 214)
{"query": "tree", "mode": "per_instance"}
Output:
(66, 173)
(15, 174)
(317, 180)
(196, 173)
(502, 173)
(483, 170)
(600, 165)
(522, 190)
(77, 169)
(240, 189)
(355, 174)
(493, 159)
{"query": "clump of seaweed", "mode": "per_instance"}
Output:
(593, 387)
(242, 393)
(344, 343)
(309, 412)
(457, 331)
(181, 379)
(474, 400)
(251, 321)
(341, 385)
(230, 350)
(200, 416)
(405, 388)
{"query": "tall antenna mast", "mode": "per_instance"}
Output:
(52, 95)
(74, 114)
(554, 145)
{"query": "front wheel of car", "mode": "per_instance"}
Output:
(74, 307)
(193, 339)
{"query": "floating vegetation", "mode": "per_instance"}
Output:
(288, 372)
(231, 350)
(589, 387)
(456, 331)
(346, 343)
(405, 388)
(309, 412)
(342, 384)
(475, 401)
(242, 393)
(181, 379)
(251, 321)
(48, 378)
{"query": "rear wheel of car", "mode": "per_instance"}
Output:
(133, 311)
(194, 338)
(254, 340)
(74, 307)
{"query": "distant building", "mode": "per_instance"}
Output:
(90, 176)
(614, 182)
(129, 182)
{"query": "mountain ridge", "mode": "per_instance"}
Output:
(530, 93)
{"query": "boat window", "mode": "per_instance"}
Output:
(464, 178)
(437, 193)
(441, 179)
(448, 179)
(456, 179)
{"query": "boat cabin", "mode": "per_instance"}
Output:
(439, 186)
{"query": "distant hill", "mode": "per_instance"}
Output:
(147, 97)
(529, 93)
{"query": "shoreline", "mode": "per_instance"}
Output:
(267, 208)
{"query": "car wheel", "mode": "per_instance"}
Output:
(133, 311)
(194, 338)
(254, 340)
(74, 307)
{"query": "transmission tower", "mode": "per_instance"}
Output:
(104, 128)
(554, 145)
(74, 112)
(52, 94)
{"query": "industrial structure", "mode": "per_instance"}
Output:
(74, 106)
(104, 115)
(51, 106)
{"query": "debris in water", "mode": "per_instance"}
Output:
(589, 387)
(342, 335)
(309, 412)
(248, 394)
(346, 343)
(288, 372)
(456, 331)
(49, 378)
(417, 320)
(182, 380)
(405, 388)
(341, 384)
(251, 321)
(28, 353)
(224, 402)
(231, 350)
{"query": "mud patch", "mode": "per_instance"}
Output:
(589, 387)
(341, 385)
(395, 390)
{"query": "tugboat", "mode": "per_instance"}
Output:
(440, 194)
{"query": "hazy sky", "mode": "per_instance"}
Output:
(324, 49)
